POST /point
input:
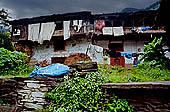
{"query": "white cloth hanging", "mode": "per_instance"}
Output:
(98, 49)
(107, 31)
(118, 31)
(46, 32)
(77, 24)
(33, 32)
(67, 32)
(95, 53)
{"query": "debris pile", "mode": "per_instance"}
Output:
(42, 63)
(76, 58)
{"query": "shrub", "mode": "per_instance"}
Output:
(154, 53)
(84, 95)
(13, 63)
(5, 41)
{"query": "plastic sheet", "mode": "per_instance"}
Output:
(49, 71)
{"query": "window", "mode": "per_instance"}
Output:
(58, 60)
(59, 25)
(116, 46)
(16, 31)
(59, 43)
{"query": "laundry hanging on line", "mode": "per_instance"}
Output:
(140, 29)
(86, 27)
(99, 24)
(118, 31)
(67, 31)
(41, 31)
(77, 24)
(127, 55)
(33, 32)
(46, 32)
(107, 31)
(95, 52)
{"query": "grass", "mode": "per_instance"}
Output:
(23, 71)
(142, 73)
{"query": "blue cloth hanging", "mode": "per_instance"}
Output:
(127, 55)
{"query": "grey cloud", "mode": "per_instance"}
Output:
(30, 8)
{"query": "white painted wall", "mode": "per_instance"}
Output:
(131, 46)
(41, 52)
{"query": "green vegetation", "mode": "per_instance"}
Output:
(5, 41)
(1, 101)
(143, 72)
(85, 95)
(154, 66)
(13, 63)
(155, 54)
(4, 16)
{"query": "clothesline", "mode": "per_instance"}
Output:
(113, 53)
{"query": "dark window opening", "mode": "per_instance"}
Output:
(108, 24)
(117, 23)
(116, 46)
(58, 60)
(59, 43)
(59, 25)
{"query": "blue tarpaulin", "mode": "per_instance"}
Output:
(49, 71)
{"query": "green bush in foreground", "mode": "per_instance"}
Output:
(84, 95)
(13, 63)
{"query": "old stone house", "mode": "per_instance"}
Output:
(55, 37)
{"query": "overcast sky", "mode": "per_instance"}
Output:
(30, 8)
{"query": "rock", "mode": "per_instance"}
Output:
(24, 91)
(33, 85)
(37, 94)
(44, 89)
(31, 81)
(33, 106)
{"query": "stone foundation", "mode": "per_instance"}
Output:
(27, 93)
(145, 96)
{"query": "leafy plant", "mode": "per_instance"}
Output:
(13, 63)
(5, 41)
(118, 105)
(154, 53)
(83, 95)
(1, 101)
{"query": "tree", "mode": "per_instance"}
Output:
(5, 37)
(4, 16)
